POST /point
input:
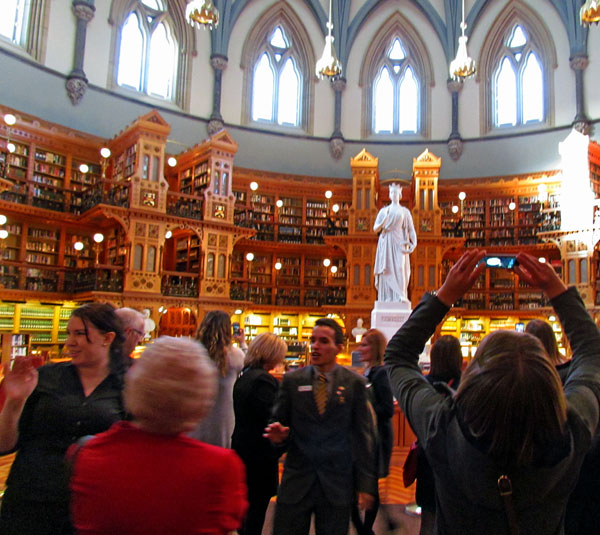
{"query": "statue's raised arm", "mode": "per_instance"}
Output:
(397, 239)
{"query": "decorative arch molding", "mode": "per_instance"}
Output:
(184, 34)
(515, 13)
(397, 25)
(282, 14)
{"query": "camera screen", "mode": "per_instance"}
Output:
(502, 261)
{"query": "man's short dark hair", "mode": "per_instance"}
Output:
(339, 337)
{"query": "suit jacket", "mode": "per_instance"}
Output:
(383, 404)
(335, 448)
(254, 395)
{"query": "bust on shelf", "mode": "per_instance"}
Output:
(359, 330)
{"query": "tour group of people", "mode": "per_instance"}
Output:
(187, 438)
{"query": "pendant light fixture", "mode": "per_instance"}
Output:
(462, 66)
(328, 66)
(590, 12)
(202, 14)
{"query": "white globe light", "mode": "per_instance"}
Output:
(168, 234)
(541, 260)
(277, 266)
(2, 219)
(279, 203)
(253, 186)
(105, 152)
(172, 161)
(334, 269)
(335, 208)
(98, 237)
(11, 147)
(512, 205)
(326, 262)
(3, 234)
(78, 246)
(328, 194)
(84, 168)
(462, 195)
(10, 119)
(250, 257)
(455, 209)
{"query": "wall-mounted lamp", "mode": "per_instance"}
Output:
(278, 266)
(98, 239)
(171, 161)
(279, 203)
(455, 209)
(3, 219)
(168, 234)
(84, 168)
(78, 246)
(512, 205)
(253, 186)
(335, 208)
(333, 269)
(3, 234)
(105, 153)
(326, 262)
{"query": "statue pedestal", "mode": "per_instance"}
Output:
(388, 317)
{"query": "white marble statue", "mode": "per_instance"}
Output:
(359, 330)
(397, 239)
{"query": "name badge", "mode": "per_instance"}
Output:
(305, 388)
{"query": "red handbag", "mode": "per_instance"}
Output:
(409, 470)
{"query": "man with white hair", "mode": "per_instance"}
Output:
(134, 325)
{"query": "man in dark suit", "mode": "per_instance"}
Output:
(322, 416)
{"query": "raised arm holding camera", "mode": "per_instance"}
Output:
(510, 423)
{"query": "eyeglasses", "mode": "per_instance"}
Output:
(136, 331)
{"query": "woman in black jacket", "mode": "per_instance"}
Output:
(254, 394)
(372, 349)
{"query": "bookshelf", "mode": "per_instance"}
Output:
(262, 216)
(48, 180)
(290, 220)
(316, 220)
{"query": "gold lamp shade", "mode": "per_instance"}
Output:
(590, 12)
(202, 13)
(462, 66)
(328, 65)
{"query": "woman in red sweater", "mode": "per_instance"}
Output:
(146, 476)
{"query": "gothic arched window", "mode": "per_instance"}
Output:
(149, 40)
(518, 89)
(515, 71)
(22, 23)
(396, 77)
(278, 62)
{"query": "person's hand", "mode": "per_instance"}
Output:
(365, 501)
(21, 381)
(240, 338)
(276, 432)
(539, 275)
(461, 277)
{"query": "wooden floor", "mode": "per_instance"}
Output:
(392, 518)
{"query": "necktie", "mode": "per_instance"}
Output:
(321, 393)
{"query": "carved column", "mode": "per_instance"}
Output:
(216, 123)
(455, 144)
(336, 141)
(579, 63)
(77, 82)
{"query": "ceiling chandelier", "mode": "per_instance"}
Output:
(328, 66)
(590, 12)
(462, 66)
(202, 13)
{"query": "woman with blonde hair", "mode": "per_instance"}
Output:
(254, 394)
(146, 476)
(511, 442)
(215, 334)
(372, 348)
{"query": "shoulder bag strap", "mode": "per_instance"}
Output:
(505, 489)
